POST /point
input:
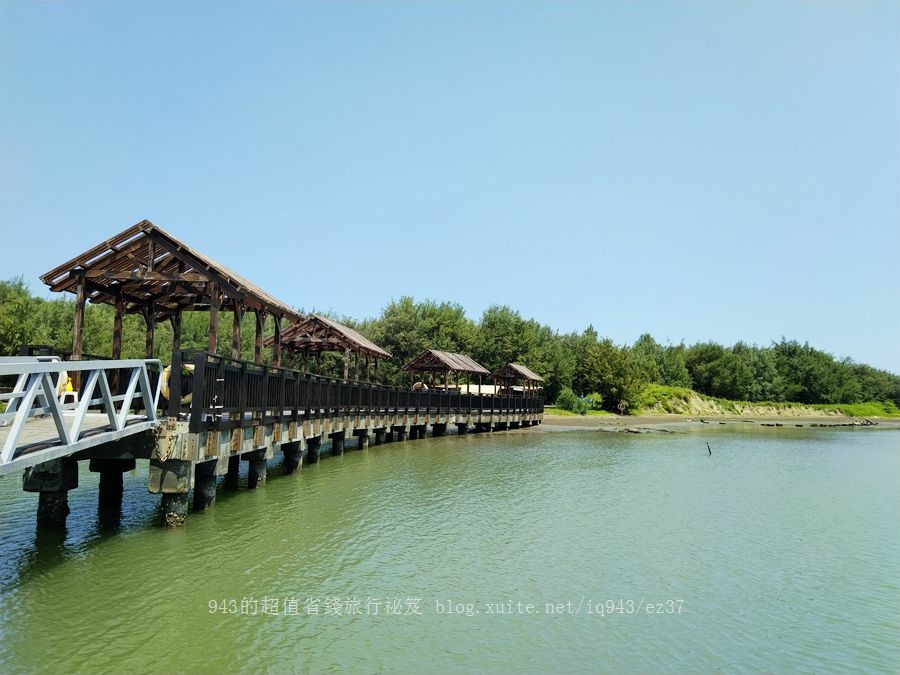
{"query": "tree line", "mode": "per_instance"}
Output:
(583, 362)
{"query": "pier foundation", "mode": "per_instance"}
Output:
(204, 485)
(112, 484)
(312, 449)
(379, 436)
(362, 438)
(462, 429)
(256, 469)
(438, 430)
(337, 443)
(401, 433)
(173, 479)
(174, 508)
(233, 473)
(292, 457)
(52, 481)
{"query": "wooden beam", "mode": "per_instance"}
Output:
(143, 275)
(150, 322)
(346, 363)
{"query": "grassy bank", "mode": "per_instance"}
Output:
(559, 412)
(658, 399)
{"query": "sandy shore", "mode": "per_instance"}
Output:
(675, 423)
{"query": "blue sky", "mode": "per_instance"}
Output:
(696, 170)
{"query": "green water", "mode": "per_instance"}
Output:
(780, 552)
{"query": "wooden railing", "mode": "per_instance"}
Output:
(223, 393)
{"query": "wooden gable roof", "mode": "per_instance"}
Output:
(434, 360)
(148, 267)
(516, 371)
(316, 333)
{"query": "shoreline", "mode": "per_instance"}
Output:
(673, 423)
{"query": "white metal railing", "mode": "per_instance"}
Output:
(38, 392)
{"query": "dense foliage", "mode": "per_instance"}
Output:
(586, 363)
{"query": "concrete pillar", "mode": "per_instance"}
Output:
(362, 438)
(173, 509)
(112, 486)
(234, 470)
(438, 430)
(257, 469)
(204, 485)
(53, 508)
(379, 436)
(52, 480)
(292, 457)
(172, 478)
(401, 433)
(312, 449)
(337, 443)
(388, 435)
(462, 428)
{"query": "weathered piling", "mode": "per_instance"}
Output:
(337, 443)
(256, 469)
(312, 449)
(52, 481)
(204, 485)
(292, 457)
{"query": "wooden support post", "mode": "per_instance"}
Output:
(276, 351)
(237, 316)
(150, 321)
(117, 327)
(346, 363)
(215, 300)
(368, 371)
(175, 372)
(175, 320)
(376, 369)
(78, 331)
(261, 316)
(356, 368)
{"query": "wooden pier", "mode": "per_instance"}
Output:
(222, 410)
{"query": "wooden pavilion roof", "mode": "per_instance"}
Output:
(149, 267)
(516, 371)
(316, 333)
(434, 360)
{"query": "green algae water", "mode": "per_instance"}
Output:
(518, 551)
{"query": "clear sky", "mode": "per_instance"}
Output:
(696, 170)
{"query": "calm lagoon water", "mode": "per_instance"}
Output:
(780, 552)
